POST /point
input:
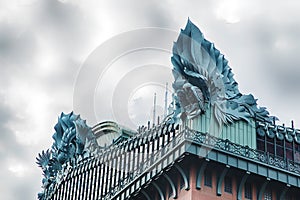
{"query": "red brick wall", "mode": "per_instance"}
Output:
(210, 193)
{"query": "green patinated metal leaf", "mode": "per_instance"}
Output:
(199, 66)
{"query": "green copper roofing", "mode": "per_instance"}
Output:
(203, 79)
(73, 142)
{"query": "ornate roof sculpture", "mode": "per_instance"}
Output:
(203, 79)
(73, 141)
(203, 82)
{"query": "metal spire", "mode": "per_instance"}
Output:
(166, 101)
(154, 109)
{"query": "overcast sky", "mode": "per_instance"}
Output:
(45, 46)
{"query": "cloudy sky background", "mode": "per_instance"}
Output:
(44, 44)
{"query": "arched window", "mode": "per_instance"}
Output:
(248, 191)
(228, 184)
(208, 178)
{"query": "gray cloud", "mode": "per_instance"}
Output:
(16, 46)
(8, 143)
(63, 24)
(151, 13)
(13, 154)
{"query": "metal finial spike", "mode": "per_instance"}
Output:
(154, 109)
(166, 101)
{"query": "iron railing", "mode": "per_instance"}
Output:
(107, 174)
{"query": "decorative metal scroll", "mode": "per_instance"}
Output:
(240, 150)
(203, 78)
(73, 141)
(280, 132)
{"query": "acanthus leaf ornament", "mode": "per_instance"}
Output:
(73, 141)
(203, 79)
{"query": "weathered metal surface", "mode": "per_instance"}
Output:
(116, 171)
(278, 131)
(240, 132)
(73, 141)
(203, 79)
